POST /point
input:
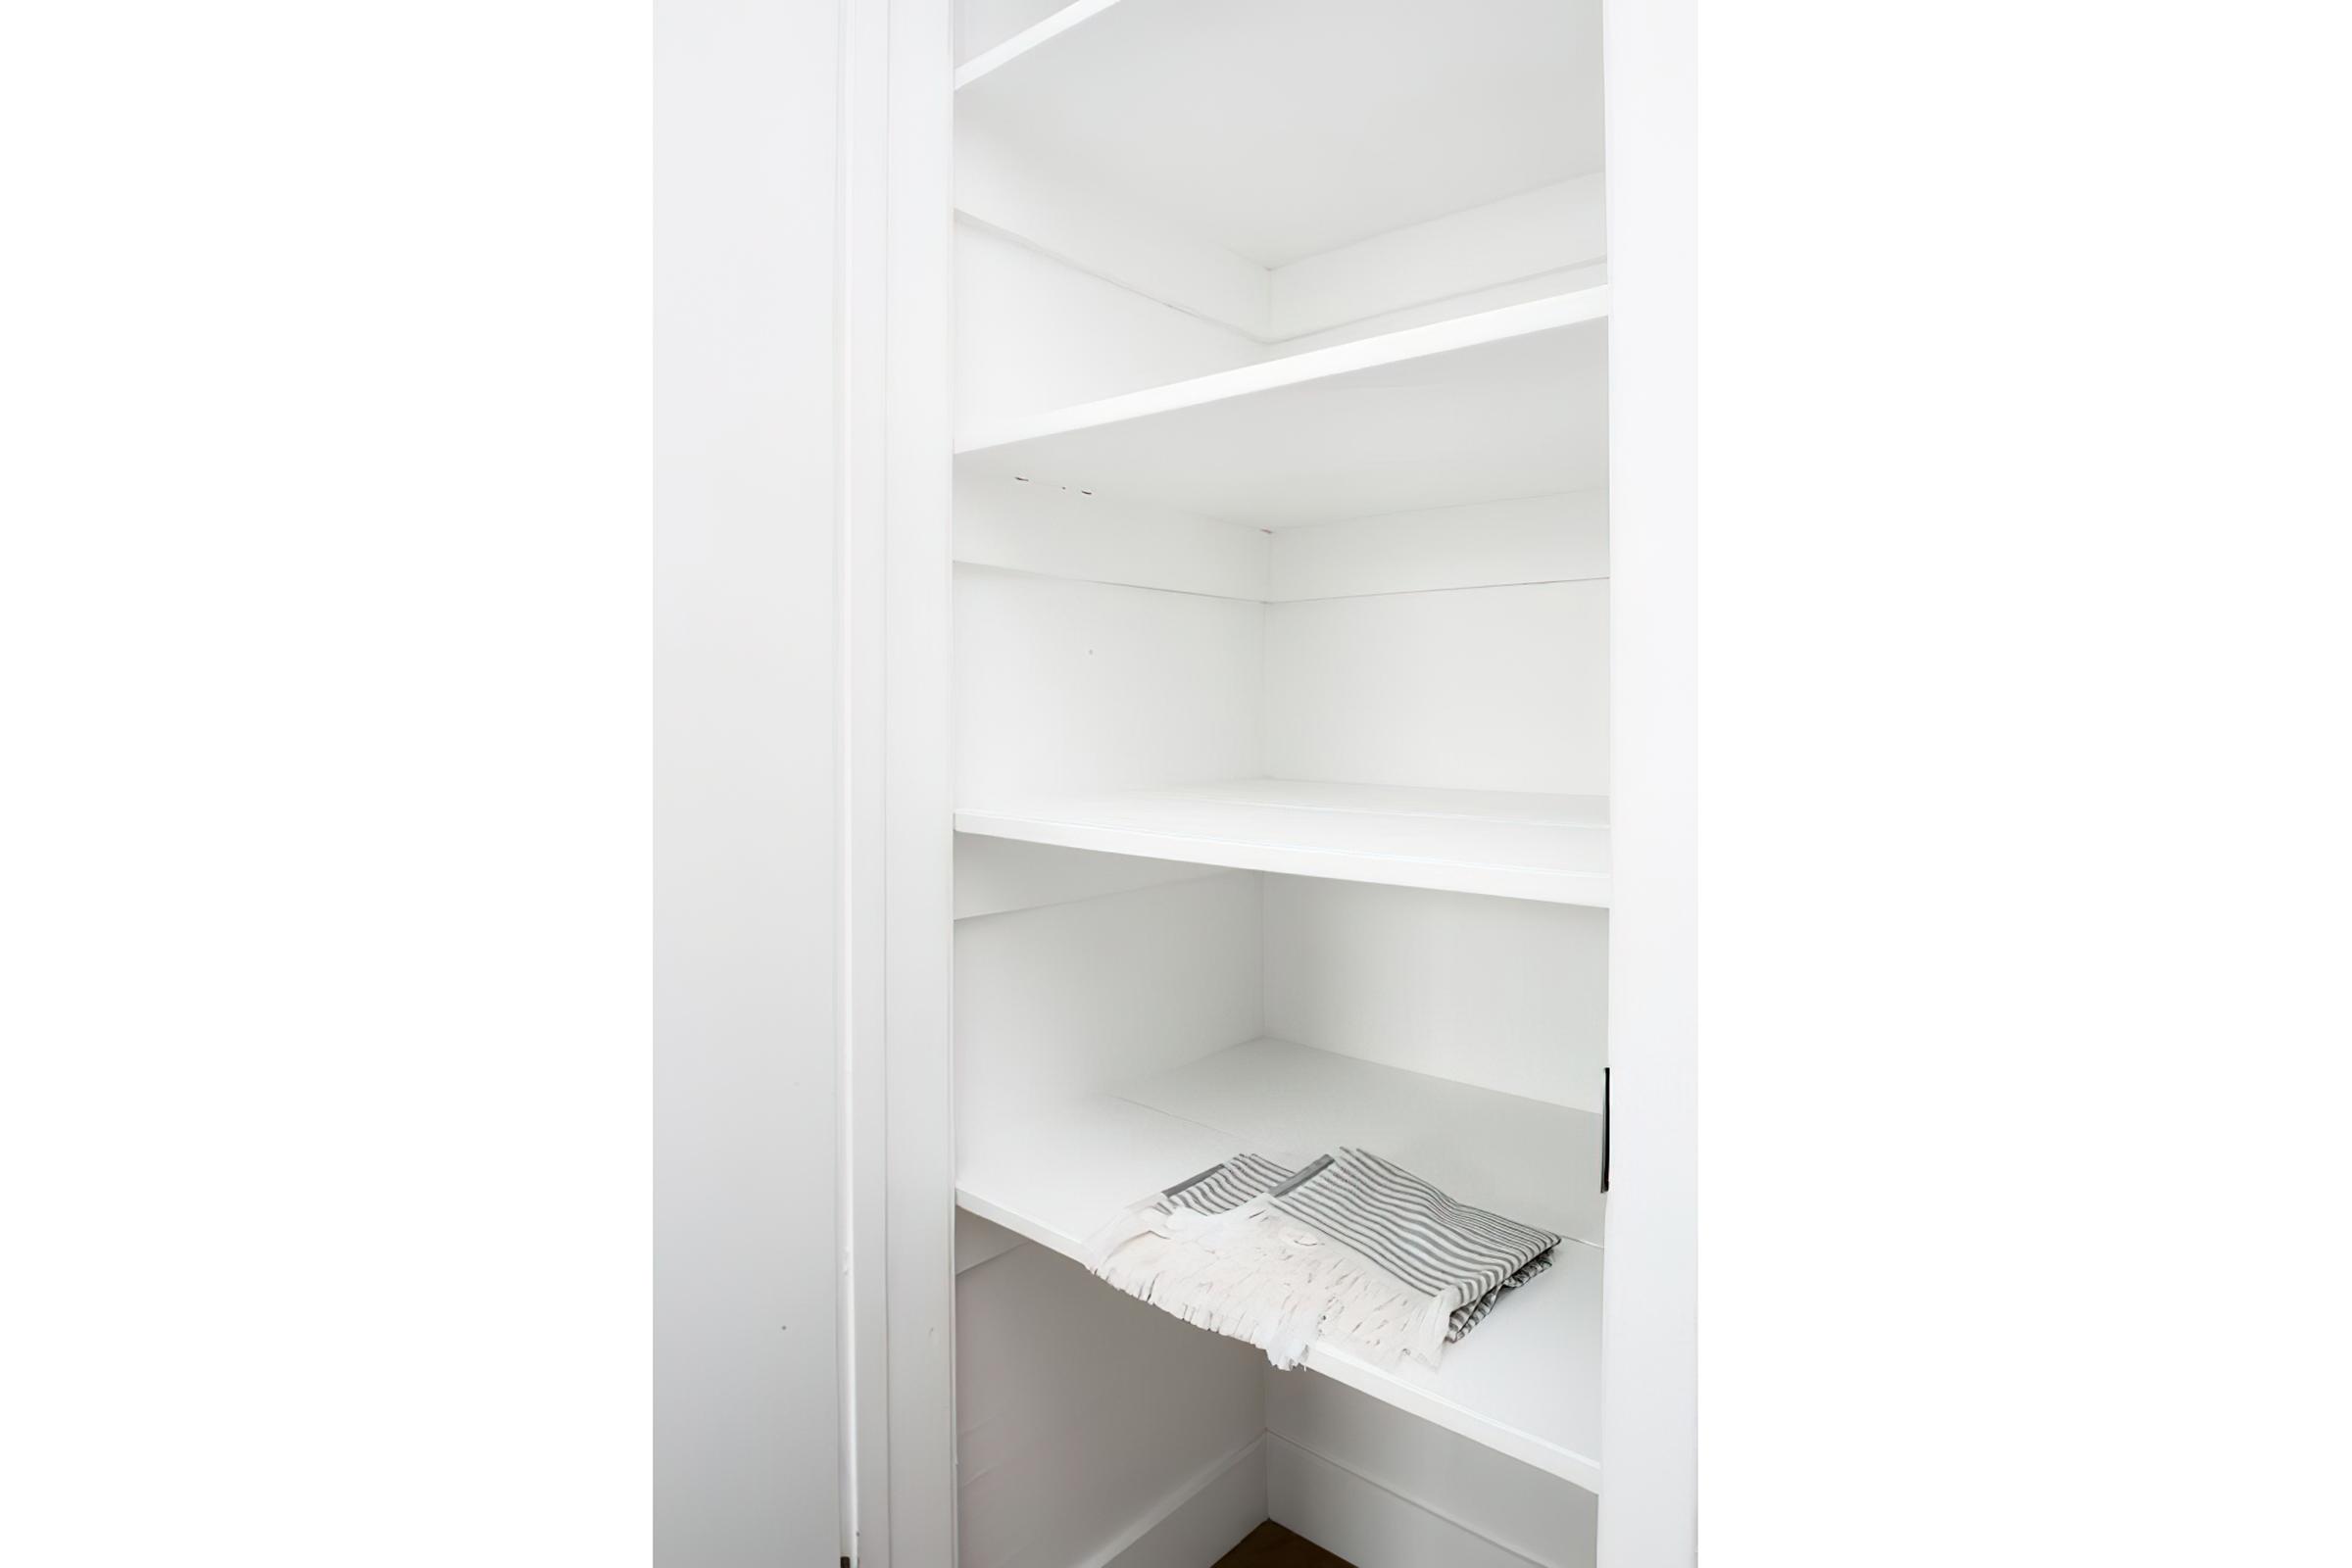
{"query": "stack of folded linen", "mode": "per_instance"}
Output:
(1349, 1249)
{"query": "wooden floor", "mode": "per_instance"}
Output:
(1270, 1546)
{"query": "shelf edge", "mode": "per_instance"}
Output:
(1028, 38)
(1298, 370)
(1568, 1465)
(1585, 889)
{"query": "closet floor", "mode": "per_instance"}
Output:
(1270, 1546)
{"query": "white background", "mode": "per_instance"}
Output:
(324, 657)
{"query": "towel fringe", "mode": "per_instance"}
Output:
(1113, 1232)
(1254, 1274)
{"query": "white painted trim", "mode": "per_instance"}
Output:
(1347, 1512)
(1390, 348)
(1648, 1511)
(1199, 1521)
(862, 314)
(743, 1446)
(917, 1073)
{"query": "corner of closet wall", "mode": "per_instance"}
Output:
(1036, 331)
(1094, 1431)
(1093, 1428)
(1055, 311)
(1149, 192)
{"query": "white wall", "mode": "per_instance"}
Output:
(1463, 648)
(1083, 1415)
(1562, 538)
(1066, 685)
(744, 1441)
(1501, 688)
(1387, 1489)
(1032, 333)
(1057, 531)
(1067, 999)
(1506, 994)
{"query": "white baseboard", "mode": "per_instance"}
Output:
(1332, 1505)
(1366, 1523)
(1201, 1521)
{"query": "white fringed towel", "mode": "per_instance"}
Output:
(1352, 1248)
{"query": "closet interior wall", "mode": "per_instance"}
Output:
(1115, 634)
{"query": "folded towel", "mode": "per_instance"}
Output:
(1352, 1248)
(1461, 1258)
(1208, 1251)
(1466, 1318)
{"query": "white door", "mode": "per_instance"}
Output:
(747, 1460)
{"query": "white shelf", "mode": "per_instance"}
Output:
(1527, 1382)
(1278, 131)
(1553, 849)
(1492, 407)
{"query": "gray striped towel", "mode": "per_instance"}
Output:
(1225, 1186)
(1351, 1249)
